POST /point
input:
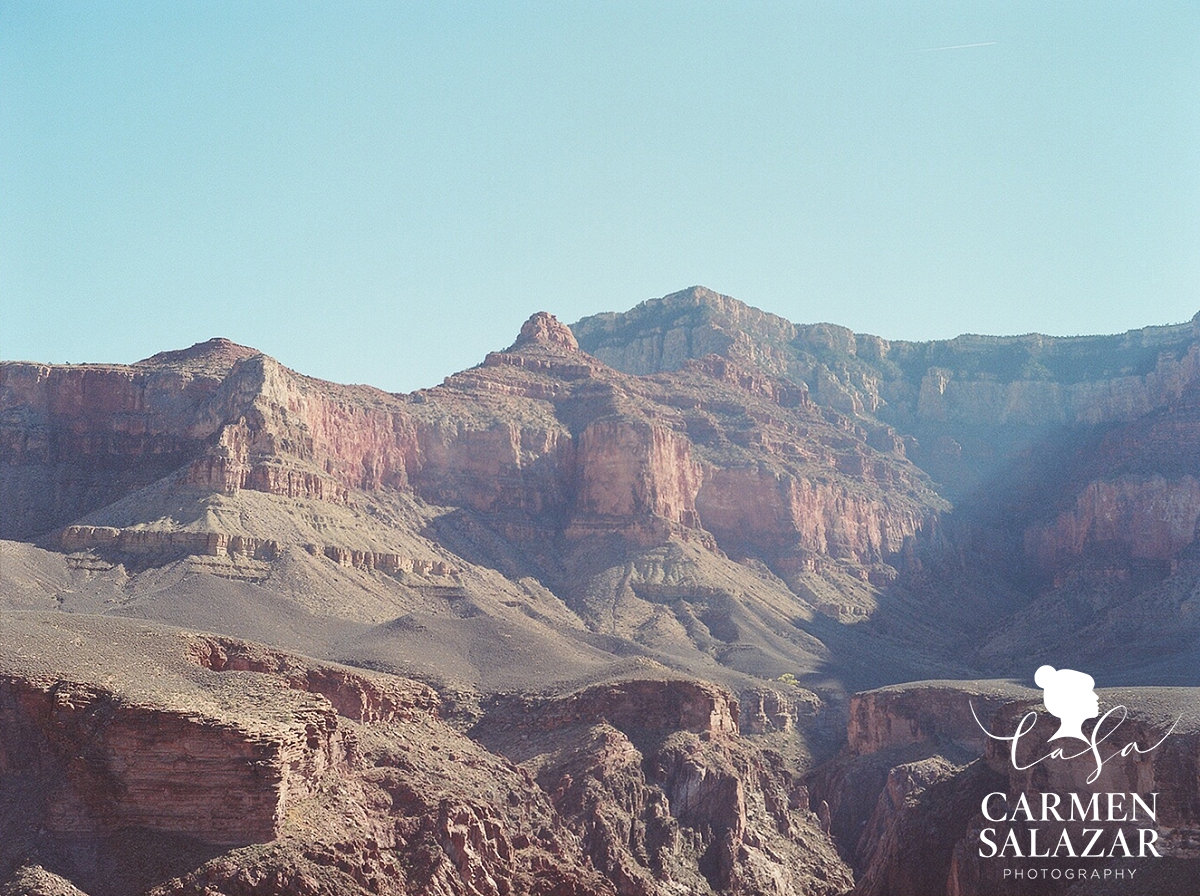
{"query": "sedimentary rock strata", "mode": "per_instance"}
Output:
(642, 562)
(281, 774)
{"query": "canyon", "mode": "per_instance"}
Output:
(688, 598)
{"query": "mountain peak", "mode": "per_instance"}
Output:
(661, 334)
(697, 295)
(217, 350)
(544, 328)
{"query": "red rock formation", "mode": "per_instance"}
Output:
(543, 328)
(349, 782)
(214, 356)
(771, 709)
(542, 438)
(1135, 499)
(943, 712)
(73, 439)
(354, 693)
(807, 518)
(102, 764)
(663, 334)
(647, 773)
(1113, 522)
(628, 471)
(779, 391)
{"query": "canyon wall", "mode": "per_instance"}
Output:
(664, 794)
(974, 380)
(541, 439)
(1115, 522)
(256, 771)
(73, 439)
(98, 764)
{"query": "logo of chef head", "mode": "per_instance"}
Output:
(1069, 697)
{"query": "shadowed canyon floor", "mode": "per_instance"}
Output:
(584, 618)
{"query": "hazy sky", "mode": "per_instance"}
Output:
(383, 193)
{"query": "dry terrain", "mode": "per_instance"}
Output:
(645, 605)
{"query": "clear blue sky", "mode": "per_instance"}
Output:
(383, 193)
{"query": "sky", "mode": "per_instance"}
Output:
(382, 193)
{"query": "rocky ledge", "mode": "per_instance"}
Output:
(139, 758)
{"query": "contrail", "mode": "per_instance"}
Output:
(986, 43)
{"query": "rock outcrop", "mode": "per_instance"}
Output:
(267, 430)
(1071, 461)
(729, 427)
(545, 329)
(187, 763)
(1118, 522)
(162, 544)
(663, 794)
(353, 693)
(73, 439)
(942, 712)
(101, 765)
(1131, 498)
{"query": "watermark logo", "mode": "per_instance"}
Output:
(1070, 697)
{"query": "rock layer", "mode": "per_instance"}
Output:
(542, 439)
(663, 794)
(191, 763)
(101, 765)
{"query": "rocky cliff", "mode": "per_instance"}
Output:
(159, 758)
(571, 457)
(1072, 459)
(989, 380)
(664, 794)
(76, 438)
(541, 433)
(543, 462)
